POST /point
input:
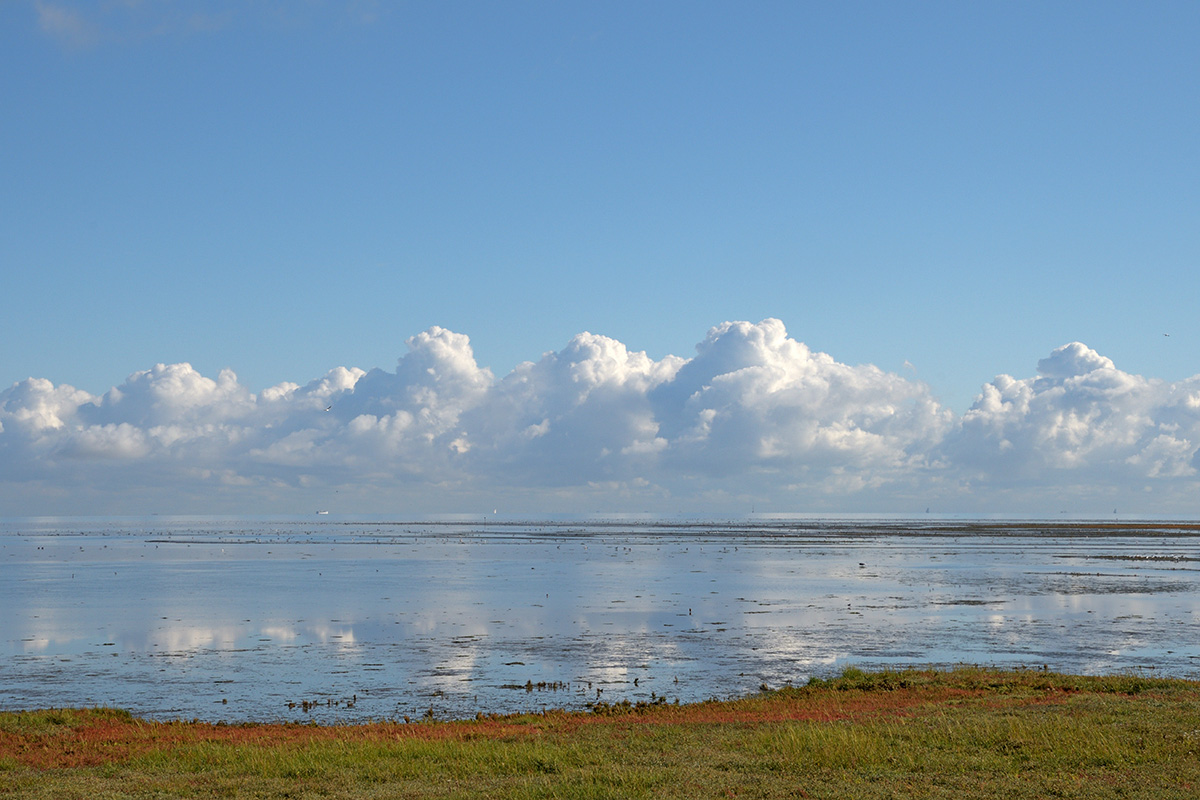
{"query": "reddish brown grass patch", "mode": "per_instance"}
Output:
(98, 737)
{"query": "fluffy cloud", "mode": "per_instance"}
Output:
(172, 394)
(378, 424)
(580, 414)
(1079, 419)
(753, 416)
(753, 397)
(35, 406)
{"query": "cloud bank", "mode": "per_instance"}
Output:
(753, 420)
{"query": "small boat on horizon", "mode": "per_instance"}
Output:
(322, 512)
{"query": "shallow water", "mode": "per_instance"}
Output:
(339, 619)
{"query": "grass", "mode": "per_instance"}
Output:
(958, 734)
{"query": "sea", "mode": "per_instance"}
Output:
(345, 619)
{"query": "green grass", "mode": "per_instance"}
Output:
(967, 733)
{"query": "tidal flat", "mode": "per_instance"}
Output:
(347, 620)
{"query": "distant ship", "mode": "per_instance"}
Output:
(322, 512)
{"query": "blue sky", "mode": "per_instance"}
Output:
(945, 191)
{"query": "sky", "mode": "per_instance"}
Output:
(599, 257)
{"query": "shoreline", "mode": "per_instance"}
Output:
(970, 732)
(851, 678)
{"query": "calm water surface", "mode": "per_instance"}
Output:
(334, 619)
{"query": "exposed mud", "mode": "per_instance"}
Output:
(350, 620)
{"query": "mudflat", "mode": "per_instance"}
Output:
(339, 620)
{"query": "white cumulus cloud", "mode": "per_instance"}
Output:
(753, 397)
(1080, 418)
(754, 416)
(579, 414)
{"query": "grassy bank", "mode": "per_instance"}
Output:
(960, 734)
